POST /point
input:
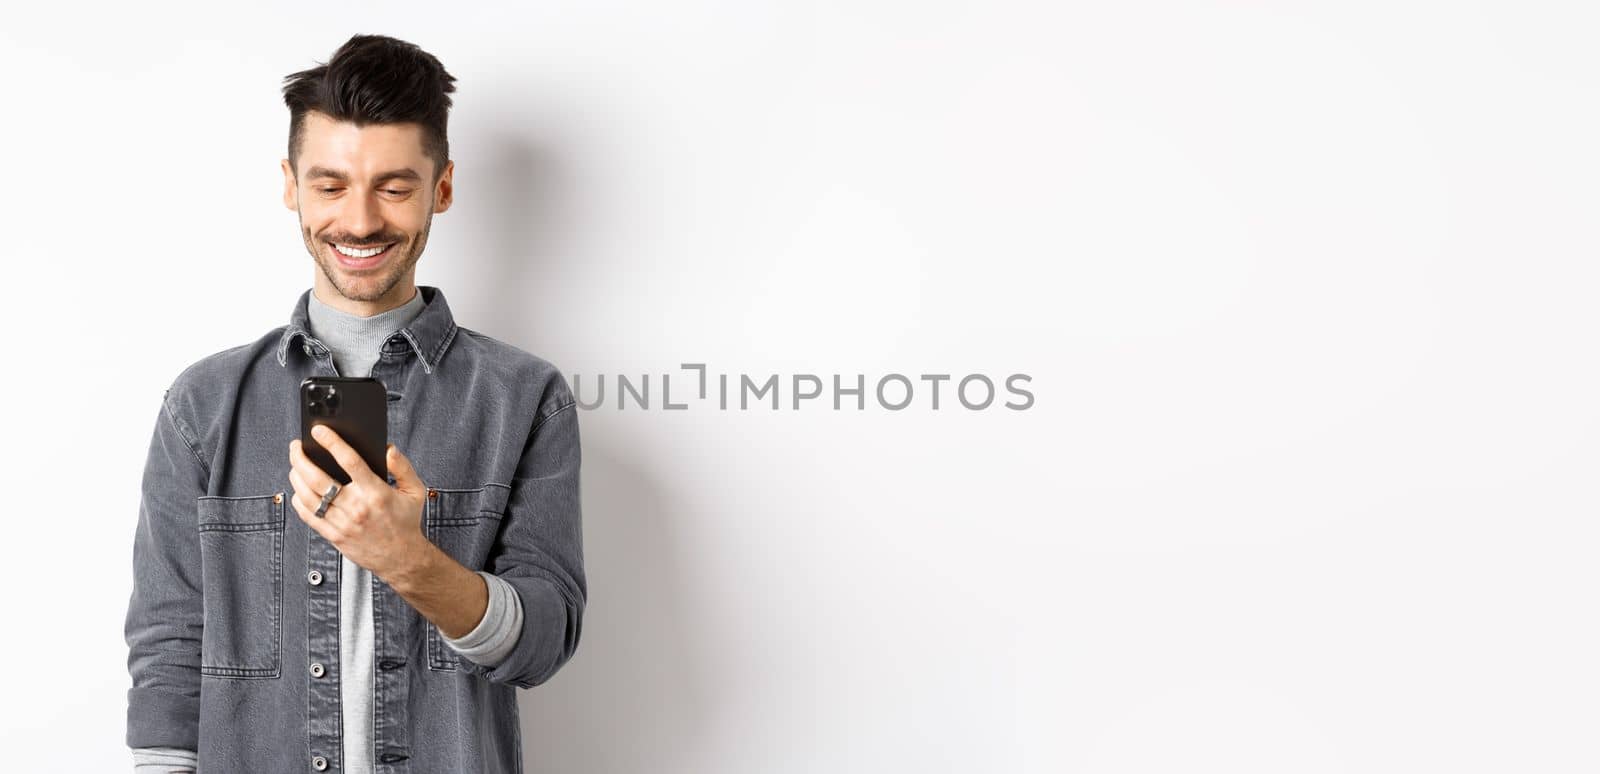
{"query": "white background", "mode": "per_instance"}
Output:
(1306, 292)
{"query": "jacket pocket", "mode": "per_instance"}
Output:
(241, 550)
(463, 523)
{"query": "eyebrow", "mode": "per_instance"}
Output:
(404, 173)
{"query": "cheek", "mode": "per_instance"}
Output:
(314, 212)
(313, 224)
(409, 219)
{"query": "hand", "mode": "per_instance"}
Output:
(377, 526)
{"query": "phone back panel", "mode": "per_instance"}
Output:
(359, 414)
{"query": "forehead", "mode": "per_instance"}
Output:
(360, 150)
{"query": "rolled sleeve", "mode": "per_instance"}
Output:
(496, 634)
(539, 551)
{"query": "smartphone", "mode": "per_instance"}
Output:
(355, 407)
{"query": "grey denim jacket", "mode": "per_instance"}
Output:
(234, 598)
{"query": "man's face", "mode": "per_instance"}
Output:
(358, 189)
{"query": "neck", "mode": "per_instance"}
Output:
(357, 341)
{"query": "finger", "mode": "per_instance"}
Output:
(318, 524)
(297, 482)
(309, 497)
(346, 455)
(304, 493)
(405, 476)
(315, 478)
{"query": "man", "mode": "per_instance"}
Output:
(280, 622)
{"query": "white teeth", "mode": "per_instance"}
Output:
(354, 253)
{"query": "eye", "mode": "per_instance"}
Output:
(395, 191)
(328, 190)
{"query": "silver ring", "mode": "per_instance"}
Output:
(327, 499)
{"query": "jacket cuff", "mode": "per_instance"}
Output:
(497, 633)
(157, 718)
(550, 631)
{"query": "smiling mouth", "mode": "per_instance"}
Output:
(361, 257)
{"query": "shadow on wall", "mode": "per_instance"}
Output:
(634, 692)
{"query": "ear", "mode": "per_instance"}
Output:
(291, 192)
(444, 190)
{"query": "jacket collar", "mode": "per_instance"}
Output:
(428, 334)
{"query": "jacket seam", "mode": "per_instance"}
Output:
(178, 425)
(547, 417)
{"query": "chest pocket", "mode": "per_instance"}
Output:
(241, 551)
(463, 523)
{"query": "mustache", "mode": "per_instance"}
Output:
(367, 241)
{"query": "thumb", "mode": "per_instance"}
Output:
(405, 476)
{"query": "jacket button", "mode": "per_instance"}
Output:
(317, 670)
(319, 763)
(433, 494)
(277, 498)
(314, 578)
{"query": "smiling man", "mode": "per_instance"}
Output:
(387, 631)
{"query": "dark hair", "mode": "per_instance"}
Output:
(375, 79)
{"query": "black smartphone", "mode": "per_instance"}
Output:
(355, 407)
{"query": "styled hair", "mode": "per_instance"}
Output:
(375, 79)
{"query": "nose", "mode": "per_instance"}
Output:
(360, 217)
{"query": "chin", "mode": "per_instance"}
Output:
(361, 286)
(369, 291)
